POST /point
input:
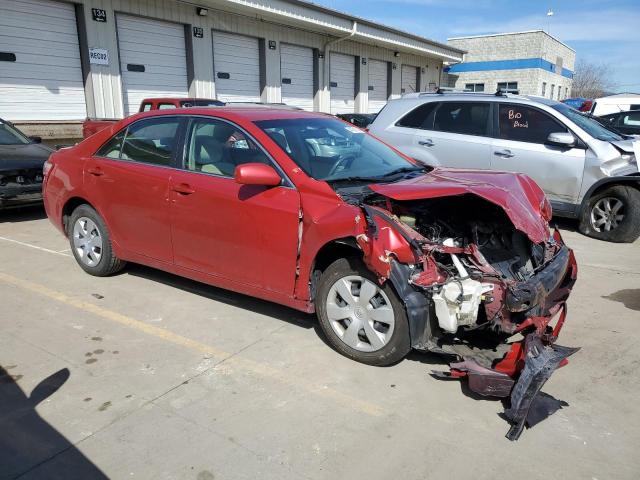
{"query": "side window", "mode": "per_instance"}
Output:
(166, 106)
(113, 147)
(525, 124)
(218, 147)
(420, 117)
(145, 107)
(152, 141)
(467, 118)
(631, 119)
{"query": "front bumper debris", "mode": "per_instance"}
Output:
(520, 374)
(526, 406)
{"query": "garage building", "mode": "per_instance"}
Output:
(61, 61)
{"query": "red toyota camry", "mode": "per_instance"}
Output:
(308, 211)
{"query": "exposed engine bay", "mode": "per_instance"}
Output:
(472, 285)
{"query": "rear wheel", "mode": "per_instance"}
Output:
(91, 244)
(362, 319)
(613, 215)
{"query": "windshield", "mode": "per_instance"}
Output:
(588, 124)
(10, 136)
(331, 150)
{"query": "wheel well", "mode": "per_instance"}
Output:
(70, 206)
(329, 253)
(632, 181)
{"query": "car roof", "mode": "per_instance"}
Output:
(177, 99)
(419, 98)
(251, 114)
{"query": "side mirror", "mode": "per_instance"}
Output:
(257, 174)
(36, 139)
(561, 139)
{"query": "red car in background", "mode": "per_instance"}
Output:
(308, 211)
(94, 125)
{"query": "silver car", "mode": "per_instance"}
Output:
(587, 171)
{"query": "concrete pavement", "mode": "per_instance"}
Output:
(168, 378)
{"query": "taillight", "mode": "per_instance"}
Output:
(46, 168)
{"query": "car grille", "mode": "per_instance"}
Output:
(32, 176)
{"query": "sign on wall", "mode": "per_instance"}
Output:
(99, 15)
(99, 56)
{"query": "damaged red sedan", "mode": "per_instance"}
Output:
(310, 212)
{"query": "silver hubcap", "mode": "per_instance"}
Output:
(607, 214)
(360, 313)
(87, 241)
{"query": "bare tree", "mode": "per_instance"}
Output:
(591, 80)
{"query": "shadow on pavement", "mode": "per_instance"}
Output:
(256, 305)
(28, 442)
(568, 224)
(630, 298)
(22, 214)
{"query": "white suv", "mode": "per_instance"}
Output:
(587, 171)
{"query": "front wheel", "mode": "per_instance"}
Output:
(613, 215)
(361, 319)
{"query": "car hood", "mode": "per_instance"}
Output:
(17, 157)
(625, 146)
(519, 196)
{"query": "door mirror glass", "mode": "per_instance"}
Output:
(257, 174)
(35, 139)
(561, 139)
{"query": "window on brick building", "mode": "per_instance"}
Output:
(474, 87)
(508, 86)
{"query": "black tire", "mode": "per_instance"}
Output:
(108, 264)
(398, 345)
(628, 230)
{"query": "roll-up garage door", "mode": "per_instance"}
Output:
(236, 63)
(409, 79)
(296, 68)
(153, 60)
(378, 85)
(40, 72)
(342, 71)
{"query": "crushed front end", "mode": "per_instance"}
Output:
(476, 288)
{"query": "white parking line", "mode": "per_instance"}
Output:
(24, 244)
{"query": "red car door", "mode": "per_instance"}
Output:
(128, 181)
(243, 233)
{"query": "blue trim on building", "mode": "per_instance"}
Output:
(515, 64)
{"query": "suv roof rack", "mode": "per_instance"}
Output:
(453, 91)
(504, 93)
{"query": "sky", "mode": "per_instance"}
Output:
(600, 31)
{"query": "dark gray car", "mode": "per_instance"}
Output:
(21, 162)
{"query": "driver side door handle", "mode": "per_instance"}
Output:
(183, 189)
(504, 153)
(426, 142)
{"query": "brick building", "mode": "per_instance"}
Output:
(532, 62)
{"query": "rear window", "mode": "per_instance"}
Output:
(151, 141)
(420, 117)
(467, 118)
